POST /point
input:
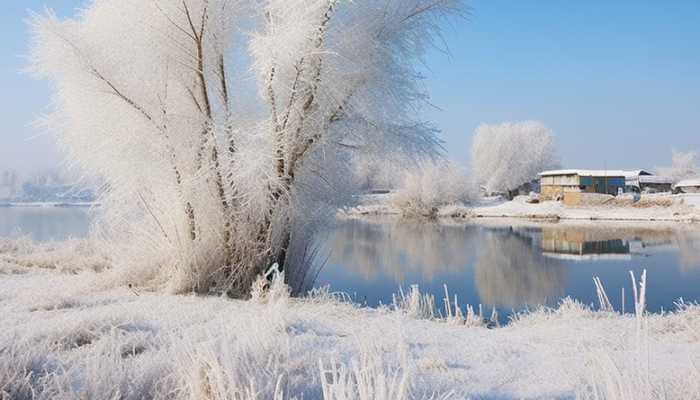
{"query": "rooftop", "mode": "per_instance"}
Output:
(597, 172)
(655, 179)
(688, 182)
(593, 172)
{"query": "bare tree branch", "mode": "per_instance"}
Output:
(223, 82)
(172, 22)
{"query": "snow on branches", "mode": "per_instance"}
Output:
(505, 156)
(684, 165)
(223, 128)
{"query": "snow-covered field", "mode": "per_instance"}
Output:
(67, 334)
(684, 208)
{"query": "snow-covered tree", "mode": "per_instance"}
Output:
(429, 185)
(9, 184)
(505, 156)
(222, 128)
(380, 172)
(684, 165)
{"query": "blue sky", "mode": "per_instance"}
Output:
(618, 82)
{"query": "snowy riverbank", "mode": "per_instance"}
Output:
(66, 336)
(682, 208)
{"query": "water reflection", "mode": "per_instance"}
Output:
(510, 264)
(689, 251)
(393, 248)
(591, 242)
(574, 245)
(510, 273)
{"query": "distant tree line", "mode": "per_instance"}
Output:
(41, 187)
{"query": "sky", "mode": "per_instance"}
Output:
(617, 82)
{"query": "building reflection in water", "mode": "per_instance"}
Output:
(577, 244)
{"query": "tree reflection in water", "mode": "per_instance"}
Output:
(688, 242)
(396, 247)
(511, 272)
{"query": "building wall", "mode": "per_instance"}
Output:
(658, 187)
(554, 192)
(560, 180)
(554, 187)
(690, 189)
(603, 185)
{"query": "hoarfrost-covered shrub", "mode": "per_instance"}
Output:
(376, 172)
(223, 129)
(429, 186)
(365, 379)
(414, 303)
(505, 156)
(684, 165)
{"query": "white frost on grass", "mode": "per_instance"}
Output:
(61, 341)
(68, 256)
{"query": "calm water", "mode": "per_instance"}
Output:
(44, 223)
(507, 264)
(512, 265)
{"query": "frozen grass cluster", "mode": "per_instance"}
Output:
(430, 185)
(130, 345)
(70, 256)
(61, 340)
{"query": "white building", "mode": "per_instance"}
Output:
(687, 186)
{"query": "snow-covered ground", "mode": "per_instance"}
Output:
(684, 207)
(66, 334)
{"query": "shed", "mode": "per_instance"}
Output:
(687, 186)
(555, 183)
(649, 184)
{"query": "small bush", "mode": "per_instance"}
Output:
(429, 186)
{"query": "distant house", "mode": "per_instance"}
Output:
(687, 186)
(644, 182)
(554, 184)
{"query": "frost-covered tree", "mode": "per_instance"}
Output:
(9, 184)
(505, 156)
(377, 172)
(222, 128)
(429, 185)
(684, 165)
